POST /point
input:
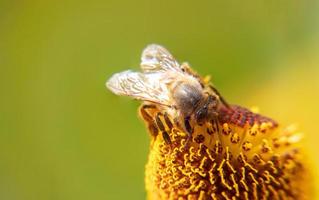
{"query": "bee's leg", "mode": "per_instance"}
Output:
(189, 130)
(161, 127)
(145, 115)
(168, 121)
(170, 126)
(149, 119)
(216, 121)
(188, 126)
(224, 102)
(166, 138)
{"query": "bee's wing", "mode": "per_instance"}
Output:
(146, 87)
(156, 58)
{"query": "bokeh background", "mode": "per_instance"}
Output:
(64, 136)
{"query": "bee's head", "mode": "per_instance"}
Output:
(206, 111)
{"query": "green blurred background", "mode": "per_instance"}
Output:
(64, 136)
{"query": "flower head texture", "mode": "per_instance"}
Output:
(204, 148)
(244, 156)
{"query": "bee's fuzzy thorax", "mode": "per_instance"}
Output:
(250, 158)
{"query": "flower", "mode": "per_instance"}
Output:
(243, 156)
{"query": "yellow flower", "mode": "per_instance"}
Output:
(226, 152)
(247, 156)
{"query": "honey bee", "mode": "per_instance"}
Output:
(166, 83)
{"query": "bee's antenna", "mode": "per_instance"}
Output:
(220, 96)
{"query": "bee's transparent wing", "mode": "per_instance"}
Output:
(156, 58)
(146, 87)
